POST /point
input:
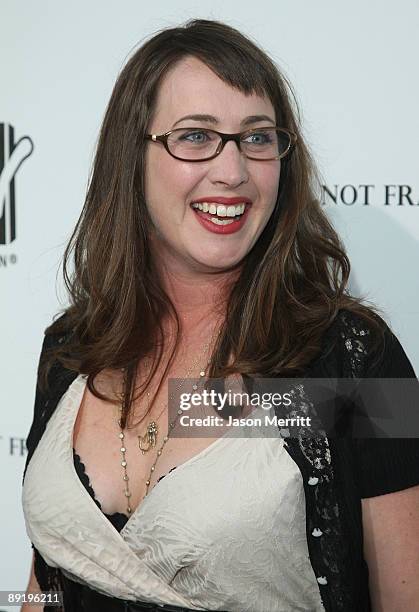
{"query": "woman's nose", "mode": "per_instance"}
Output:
(230, 166)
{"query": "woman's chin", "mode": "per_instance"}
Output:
(219, 263)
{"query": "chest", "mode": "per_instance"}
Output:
(96, 439)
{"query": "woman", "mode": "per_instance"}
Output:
(202, 252)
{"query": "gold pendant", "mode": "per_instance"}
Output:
(149, 439)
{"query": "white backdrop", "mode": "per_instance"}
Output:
(354, 68)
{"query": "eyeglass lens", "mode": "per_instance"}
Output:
(190, 144)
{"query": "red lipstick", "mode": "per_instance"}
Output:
(209, 221)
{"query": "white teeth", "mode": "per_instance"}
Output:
(221, 221)
(220, 209)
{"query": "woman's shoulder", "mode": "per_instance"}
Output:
(362, 344)
(59, 329)
(51, 373)
(358, 349)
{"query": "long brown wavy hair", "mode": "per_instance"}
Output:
(291, 284)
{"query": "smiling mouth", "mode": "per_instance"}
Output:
(220, 214)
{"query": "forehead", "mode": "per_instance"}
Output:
(191, 87)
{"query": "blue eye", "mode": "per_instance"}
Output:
(195, 137)
(259, 138)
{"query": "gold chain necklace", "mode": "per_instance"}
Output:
(151, 432)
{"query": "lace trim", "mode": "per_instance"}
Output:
(355, 338)
(118, 519)
(326, 536)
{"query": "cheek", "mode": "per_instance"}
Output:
(169, 186)
(267, 178)
(170, 178)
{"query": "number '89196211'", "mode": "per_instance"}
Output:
(31, 597)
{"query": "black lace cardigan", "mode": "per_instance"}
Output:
(337, 472)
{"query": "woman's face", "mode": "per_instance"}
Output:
(185, 237)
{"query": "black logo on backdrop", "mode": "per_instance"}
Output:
(364, 195)
(12, 155)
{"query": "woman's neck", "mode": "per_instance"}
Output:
(198, 297)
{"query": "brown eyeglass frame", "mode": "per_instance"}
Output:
(224, 139)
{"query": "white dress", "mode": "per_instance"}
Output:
(225, 530)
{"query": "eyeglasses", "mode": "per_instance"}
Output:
(200, 144)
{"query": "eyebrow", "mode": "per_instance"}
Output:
(211, 119)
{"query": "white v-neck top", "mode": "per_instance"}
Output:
(225, 530)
